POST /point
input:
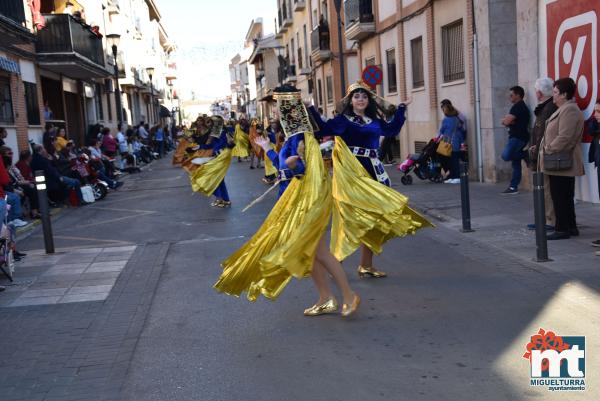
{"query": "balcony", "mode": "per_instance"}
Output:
(319, 40)
(299, 5)
(360, 22)
(290, 74)
(286, 17)
(13, 22)
(67, 47)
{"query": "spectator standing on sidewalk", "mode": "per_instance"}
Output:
(564, 130)
(517, 123)
(122, 142)
(454, 129)
(542, 112)
(109, 144)
(48, 138)
(159, 139)
(594, 154)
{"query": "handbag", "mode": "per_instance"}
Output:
(559, 161)
(444, 147)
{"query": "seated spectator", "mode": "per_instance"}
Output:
(55, 182)
(97, 156)
(23, 187)
(60, 141)
(4, 180)
(13, 199)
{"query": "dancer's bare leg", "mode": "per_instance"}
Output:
(319, 276)
(366, 256)
(334, 267)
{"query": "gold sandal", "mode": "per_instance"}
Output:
(370, 272)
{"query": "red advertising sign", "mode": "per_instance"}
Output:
(573, 47)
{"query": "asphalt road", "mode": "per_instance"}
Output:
(449, 323)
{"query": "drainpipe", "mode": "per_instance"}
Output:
(477, 99)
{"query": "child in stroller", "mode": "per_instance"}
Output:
(426, 165)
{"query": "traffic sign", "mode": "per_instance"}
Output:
(372, 75)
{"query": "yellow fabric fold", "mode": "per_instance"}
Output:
(285, 245)
(269, 168)
(364, 210)
(207, 177)
(242, 143)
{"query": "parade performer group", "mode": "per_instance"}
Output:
(358, 201)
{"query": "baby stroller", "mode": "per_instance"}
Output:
(426, 165)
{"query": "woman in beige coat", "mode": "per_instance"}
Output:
(564, 130)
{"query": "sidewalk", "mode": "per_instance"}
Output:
(500, 221)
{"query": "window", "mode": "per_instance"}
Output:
(416, 51)
(98, 101)
(320, 92)
(390, 56)
(329, 84)
(370, 61)
(293, 48)
(109, 108)
(31, 103)
(452, 49)
(306, 59)
(6, 110)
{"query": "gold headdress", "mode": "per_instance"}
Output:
(294, 117)
(384, 107)
(217, 126)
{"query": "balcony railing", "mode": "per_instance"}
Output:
(64, 35)
(360, 21)
(14, 10)
(319, 41)
(299, 5)
(357, 11)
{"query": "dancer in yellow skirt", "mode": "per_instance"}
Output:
(367, 212)
(203, 126)
(242, 141)
(291, 241)
(209, 177)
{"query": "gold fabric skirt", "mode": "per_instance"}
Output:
(207, 177)
(242, 143)
(286, 243)
(269, 167)
(365, 211)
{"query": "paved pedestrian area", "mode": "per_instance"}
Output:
(77, 275)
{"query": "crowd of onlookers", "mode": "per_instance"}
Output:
(68, 169)
(553, 148)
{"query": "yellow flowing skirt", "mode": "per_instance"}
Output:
(269, 167)
(365, 211)
(286, 243)
(207, 177)
(242, 143)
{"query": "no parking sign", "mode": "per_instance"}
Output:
(372, 76)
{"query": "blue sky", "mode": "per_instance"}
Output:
(208, 34)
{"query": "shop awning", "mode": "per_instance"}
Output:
(9, 65)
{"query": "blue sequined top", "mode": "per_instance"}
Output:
(289, 148)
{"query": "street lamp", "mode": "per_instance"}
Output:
(170, 84)
(338, 9)
(150, 71)
(114, 39)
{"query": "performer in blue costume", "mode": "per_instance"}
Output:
(209, 174)
(360, 124)
(291, 241)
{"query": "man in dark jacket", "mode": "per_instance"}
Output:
(543, 111)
